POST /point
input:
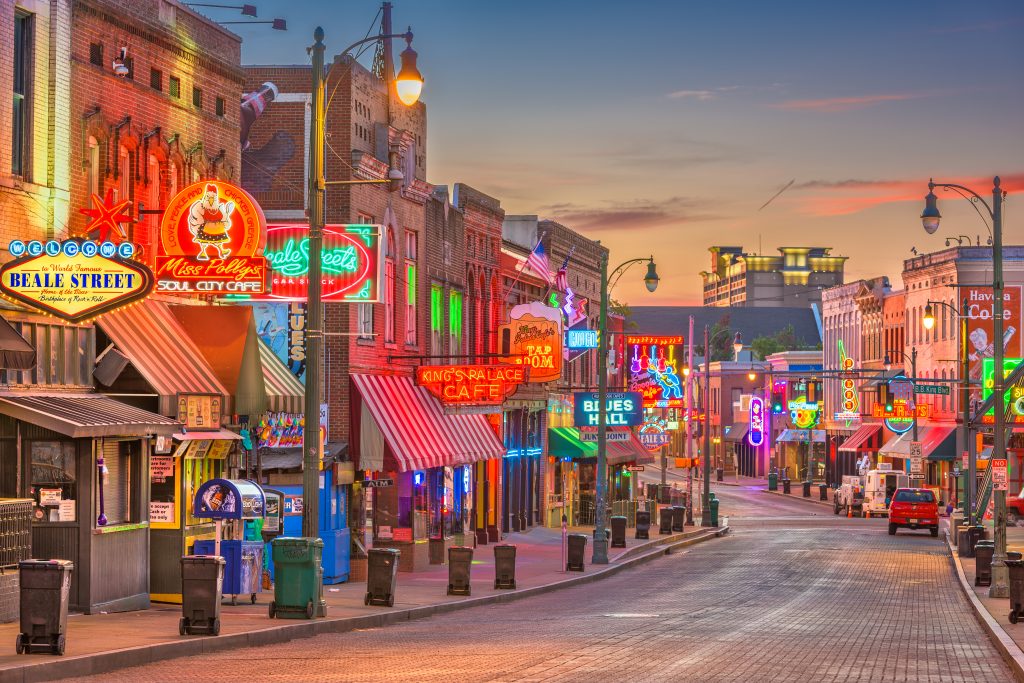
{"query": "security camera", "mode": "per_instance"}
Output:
(120, 68)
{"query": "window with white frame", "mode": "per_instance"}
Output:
(389, 288)
(411, 283)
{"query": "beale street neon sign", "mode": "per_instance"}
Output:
(471, 384)
(755, 437)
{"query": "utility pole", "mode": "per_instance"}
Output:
(705, 516)
(600, 555)
(1000, 579)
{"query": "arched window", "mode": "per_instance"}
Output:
(94, 166)
(125, 176)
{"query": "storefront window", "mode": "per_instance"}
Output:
(198, 471)
(54, 480)
(115, 504)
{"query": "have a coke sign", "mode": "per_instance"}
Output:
(350, 263)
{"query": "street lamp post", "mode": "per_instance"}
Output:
(311, 440)
(737, 344)
(930, 218)
(651, 279)
(964, 433)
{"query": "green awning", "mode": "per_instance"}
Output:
(564, 442)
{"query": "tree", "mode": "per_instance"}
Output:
(783, 340)
(722, 339)
(619, 308)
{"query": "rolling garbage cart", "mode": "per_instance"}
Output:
(45, 589)
(298, 578)
(381, 576)
(202, 577)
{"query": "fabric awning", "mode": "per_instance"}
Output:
(564, 443)
(85, 415)
(212, 435)
(801, 436)
(15, 352)
(159, 348)
(937, 443)
(415, 428)
(226, 336)
(291, 458)
(737, 432)
(285, 393)
(619, 452)
(861, 440)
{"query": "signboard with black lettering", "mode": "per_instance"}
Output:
(378, 483)
(622, 408)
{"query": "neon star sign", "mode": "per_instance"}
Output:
(107, 216)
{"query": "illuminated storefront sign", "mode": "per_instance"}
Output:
(471, 384)
(211, 242)
(350, 263)
(1014, 394)
(804, 415)
(75, 279)
(622, 409)
(534, 337)
(581, 339)
(850, 402)
(653, 434)
(755, 437)
(980, 329)
(900, 409)
(652, 369)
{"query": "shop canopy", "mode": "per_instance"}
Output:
(285, 393)
(85, 415)
(15, 352)
(866, 438)
(156, 345)
(407, 423)
(291, 458)
(565, 442)
(801, 436)
(737, 432)
(937, 443)
(212, 435)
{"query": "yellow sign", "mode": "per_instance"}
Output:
(534, 338)
(74, 280)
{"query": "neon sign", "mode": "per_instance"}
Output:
(471, 384)
(1014, 394)
(851, 403)
(75, 279)
(581, 339)
(653, 434)
(534, 338)
(211, 242)
(803, 414)
(899, 416)
(652, 369)
(622, 408)
(756, 435)
(349, 263)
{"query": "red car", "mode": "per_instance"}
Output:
(914, 509)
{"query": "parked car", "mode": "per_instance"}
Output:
(1014, 510)
(849, 496)
(914, 509)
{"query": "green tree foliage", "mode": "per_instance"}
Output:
(783, 340)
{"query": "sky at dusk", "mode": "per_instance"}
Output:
(663, 127)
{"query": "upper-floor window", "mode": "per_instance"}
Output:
(156, 79)
(174, 86)
(389, 289)
(197, 97)
(20, 147)
(436, 319)
(455, 323)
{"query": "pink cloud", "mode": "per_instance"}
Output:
(841, 104)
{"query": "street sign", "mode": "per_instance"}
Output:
(378, 483)
(915, 449)
(634, 468)
(939, 389)
(915, 465)
(610, 436)
(966, 456)
(1000, 480)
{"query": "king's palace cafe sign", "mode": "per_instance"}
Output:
(479, 385)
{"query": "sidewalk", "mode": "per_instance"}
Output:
(103, 642)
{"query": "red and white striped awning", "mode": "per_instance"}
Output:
(285, 393)
(416, 429)
(621, 452)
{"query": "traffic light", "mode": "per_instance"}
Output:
(778, 402)
(884, 397)
(812, 392)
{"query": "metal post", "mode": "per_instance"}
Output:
(965, 413)
(705, 515)
(1000, 579)
(913, 374)
(689, 426)
(600, 555)
(314, 315)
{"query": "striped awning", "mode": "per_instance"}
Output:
(621, 452)
(566, 443)
(285, 393)
(416, 429)
(161, 351)
(863, 439)
(85, 415)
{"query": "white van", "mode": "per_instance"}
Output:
(879, 487)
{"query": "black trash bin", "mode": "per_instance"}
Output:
(719, 474)
(45, 588)
(381, 576)
(967, 538)
(785, 486)
(1015, 570)
(643, 524)
(435, 549)
(202, 578)
(807, 489)
(576, 550)
(665, 521)
(678, 517)
(822, 491)
(460, 559)
(618, 524)
(983, 552)
(505, 566)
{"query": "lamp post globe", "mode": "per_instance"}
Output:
(929, 317)
(930, 217)
(887, 362)
(651, 279)
(737, 344)
(409, 81)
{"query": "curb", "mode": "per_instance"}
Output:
(800, 498)
(103, 662)
(1011, 652)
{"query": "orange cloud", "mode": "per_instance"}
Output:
(840, 104)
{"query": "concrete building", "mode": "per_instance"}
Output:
(794, 277)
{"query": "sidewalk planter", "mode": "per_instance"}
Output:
(577, 548)
(381, 576)
(1015, 568)
(45, 589)
(618, 524)
(678, 517)
(505, 565)
(202, 582)
(460, 560)
(983, 553)
(665, 521)
(643, 524)
(298, 578)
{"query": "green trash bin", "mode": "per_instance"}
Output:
(714, 511)
(773, 481)
(298, 578)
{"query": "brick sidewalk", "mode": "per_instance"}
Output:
(100, 642)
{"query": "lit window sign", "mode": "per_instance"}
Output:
(349, 263)
(75, 279)
(899, 414)
(804, 415)
(471, 384)
(211, 242)
(653, 434)
(652, 369)
(1014, 394)
(755, 437)
(622, 408)
(534, 338)
(851, 402)
(581, 339)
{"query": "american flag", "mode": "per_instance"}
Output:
(562, 276)
(538, 262)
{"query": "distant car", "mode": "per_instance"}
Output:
(1014, 510)
(914, 509)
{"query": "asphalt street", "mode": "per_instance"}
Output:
(792, 594)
